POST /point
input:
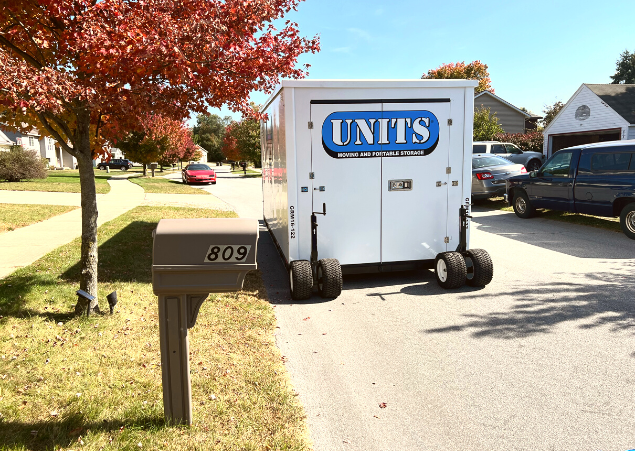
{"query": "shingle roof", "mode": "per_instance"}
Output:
(619, 97)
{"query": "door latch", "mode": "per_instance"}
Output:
(441, 183)
(321, 188)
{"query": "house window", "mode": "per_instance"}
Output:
(31, 141)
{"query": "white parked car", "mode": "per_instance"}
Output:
(531, 160)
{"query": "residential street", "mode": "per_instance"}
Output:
(541, 359)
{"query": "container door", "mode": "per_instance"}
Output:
(415, 180)
(347, 178)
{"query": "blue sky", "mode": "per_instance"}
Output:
(537, 52)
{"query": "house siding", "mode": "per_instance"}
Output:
(511, 120)
(602, 117)
(631, 132)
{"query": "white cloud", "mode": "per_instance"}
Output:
(362, 34)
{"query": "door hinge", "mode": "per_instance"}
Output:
(446, 240)
(449, 121)
(311, 175)
(310, 125)
(448, 170)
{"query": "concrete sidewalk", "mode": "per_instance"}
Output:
(23, 246)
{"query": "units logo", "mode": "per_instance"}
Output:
(367, 134)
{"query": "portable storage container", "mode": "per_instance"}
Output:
(372, 175)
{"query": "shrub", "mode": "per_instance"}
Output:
(18, 164)
(486, 125)
(529, 142)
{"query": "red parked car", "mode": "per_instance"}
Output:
(198, 173)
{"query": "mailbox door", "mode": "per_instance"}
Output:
(349, 186)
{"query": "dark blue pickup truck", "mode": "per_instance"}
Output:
(596, 179)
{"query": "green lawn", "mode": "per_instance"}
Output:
(69, 383)
(59, 181)
(161, 185)
(498, 203)
(250, 172)
(13, 216)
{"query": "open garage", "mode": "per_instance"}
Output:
(595, 113)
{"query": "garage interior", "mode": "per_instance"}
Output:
(560, 142)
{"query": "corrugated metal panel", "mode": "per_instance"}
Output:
(508, 118)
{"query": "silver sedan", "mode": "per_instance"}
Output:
(489, 174)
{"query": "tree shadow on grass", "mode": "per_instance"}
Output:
(57, 434)
(125, 257)
(602, 299)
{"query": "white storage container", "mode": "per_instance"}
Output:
(389, 161)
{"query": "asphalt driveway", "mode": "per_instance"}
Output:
(541, 359)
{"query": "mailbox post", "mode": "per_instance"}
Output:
(192, 258)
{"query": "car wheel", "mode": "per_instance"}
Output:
(300, 280)
(480, 268)
(213, 183)
(533, 165)
(627, 220)
(329, 278)
(522, 206)
(101, 168)
(450, 270)
(124, 168)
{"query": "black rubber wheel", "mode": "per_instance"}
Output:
(522, 206)
(213, 183)
(329, 278)
(300, 280)
(450, 270)
(533, 165)
(627, 220)
(124, 168)
(480, 268)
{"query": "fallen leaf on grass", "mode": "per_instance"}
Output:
(54, 413)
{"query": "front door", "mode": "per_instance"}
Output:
(348, 185)
(553, 185)
(414, 218)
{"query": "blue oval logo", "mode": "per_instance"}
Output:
(367, 134)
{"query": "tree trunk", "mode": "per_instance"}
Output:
(145, 170)
(88, 278)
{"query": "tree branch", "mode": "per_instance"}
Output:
(56, 135)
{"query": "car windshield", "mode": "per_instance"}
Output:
(485, 162)
(198, 167)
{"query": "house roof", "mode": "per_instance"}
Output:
(527, 115)
(4, 141)
(619, 97)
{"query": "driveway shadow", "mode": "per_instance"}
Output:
(602, 299)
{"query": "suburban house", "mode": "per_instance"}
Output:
(510, 118)
(203, 152)
(595, 113)
(45, 146)
(5, 142)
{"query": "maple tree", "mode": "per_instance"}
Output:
(471, 71)
(84, 71)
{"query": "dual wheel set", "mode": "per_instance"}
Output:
(327, 276)
(455, 269)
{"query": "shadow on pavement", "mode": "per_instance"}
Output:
(602, 299)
